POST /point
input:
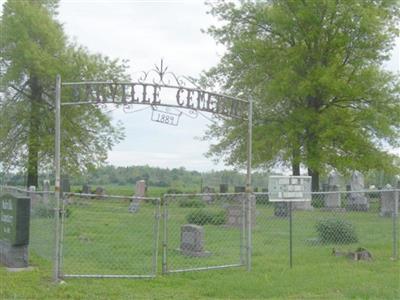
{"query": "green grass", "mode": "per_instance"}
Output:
(101, 237)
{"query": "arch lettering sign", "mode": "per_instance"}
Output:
(127, 93)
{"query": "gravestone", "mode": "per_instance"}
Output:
(387, 199)
(100, 192)
(140, 190)
(65, 185)
(240, 189)
(332, 200)
(14, 230)
(223, 188)
(46, 190)
(357, 200)
(35, 198)
(192, 240)
(234, 215)
(207, 197)
(86, 189)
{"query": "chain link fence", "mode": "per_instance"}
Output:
(204, 231)
(337, 223)
(113, 236)
(109, 236)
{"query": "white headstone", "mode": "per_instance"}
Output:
(357, 200)
(332, 200)
(387, 201)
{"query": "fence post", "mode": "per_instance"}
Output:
(165, 237)
(394, 231)
(56, 267)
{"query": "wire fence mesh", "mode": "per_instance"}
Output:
(203, 231)
(109, 236)
(337, 223)
(115, 236)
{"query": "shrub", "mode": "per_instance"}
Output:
(203, 217)
(336, 231)
(191, 203)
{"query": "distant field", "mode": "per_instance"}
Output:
(129, 190)
(102, 237)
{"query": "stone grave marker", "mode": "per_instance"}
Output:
(234, 215)
(387, 199)
(332, 200)
(357, 200)
(192, 240)
(208, 198)
(86, 189)
(14, 230)
(100, 192)
(140, 189)
(240, 189)
(65, 185)
(46, 190)
(223, 188)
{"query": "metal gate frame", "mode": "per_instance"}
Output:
(161, 72)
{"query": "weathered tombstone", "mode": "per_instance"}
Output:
(32, 194)
(240, 189)
(357, 200)
(332, 200)
(86, 189)
(192, 240)
(100, 192)
(65, 185)
(140, 190)
(234, 215)
(387, 199)
(46, 190)
(207, 197)
(223, 188)
(14, 230)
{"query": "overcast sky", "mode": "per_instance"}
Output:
(144, 32)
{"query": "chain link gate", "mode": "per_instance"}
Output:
(109, 236)
(204, 231)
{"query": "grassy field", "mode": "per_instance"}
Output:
(102, 237)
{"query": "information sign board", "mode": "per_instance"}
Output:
(289, 188)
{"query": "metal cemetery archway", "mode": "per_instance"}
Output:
(167, 95)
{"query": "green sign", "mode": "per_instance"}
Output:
(14, 219)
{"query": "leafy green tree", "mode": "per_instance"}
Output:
(34, 49)
(322, 99)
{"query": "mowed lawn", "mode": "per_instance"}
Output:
(102, 237)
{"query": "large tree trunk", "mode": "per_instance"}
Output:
(33, 138)
(314, 179)
(295, 163)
